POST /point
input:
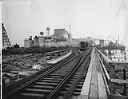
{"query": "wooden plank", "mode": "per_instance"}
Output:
(119, 81)
(83, 97)
(113, 96)
(104, 69)
(86, 86)
(90, 67)
(123, 62)
(101, 87)
(104, 75)
(93, 94)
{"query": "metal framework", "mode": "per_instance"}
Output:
(5, 39)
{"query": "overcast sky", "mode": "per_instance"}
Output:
(96, 18)
(1, 24)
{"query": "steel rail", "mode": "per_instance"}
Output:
(59, 86)
(66, 78)
(105, 74)
(75, 82)
(5, 96)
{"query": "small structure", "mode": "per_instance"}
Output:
(101, 43)
(28, 42)
(16, 46)
(36, 42)
(62, 33)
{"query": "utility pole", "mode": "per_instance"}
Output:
(118, 39)
(48, 29)
(42, 33)
(70, 31)
(123, 7)
(125, 87)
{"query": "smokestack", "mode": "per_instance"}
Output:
(30, 38)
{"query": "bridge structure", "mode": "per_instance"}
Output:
(98, 82)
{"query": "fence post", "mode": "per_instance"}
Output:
(112, 75)
(125, 87)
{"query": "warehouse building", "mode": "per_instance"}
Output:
(60, 38)
(49, 41)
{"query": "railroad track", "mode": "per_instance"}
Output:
(73, 87)
(12, 89)
(59, 82)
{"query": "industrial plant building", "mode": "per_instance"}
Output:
(60, 38)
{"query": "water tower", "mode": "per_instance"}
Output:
(48, 29)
